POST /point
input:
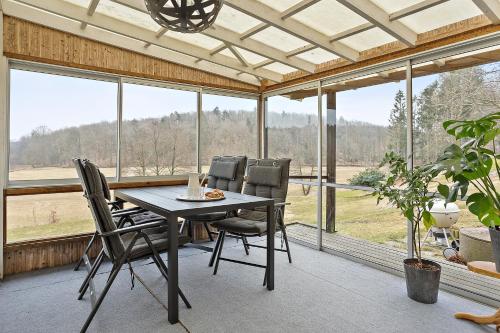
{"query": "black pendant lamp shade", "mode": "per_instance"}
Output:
(184, 15)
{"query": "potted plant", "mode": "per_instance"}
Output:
(475, 162)
(407, 190)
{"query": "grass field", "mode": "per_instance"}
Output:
(357, 215)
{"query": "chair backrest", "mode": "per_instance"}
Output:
(227, 173)
(266, 178)
(105, 186)
(91, 180)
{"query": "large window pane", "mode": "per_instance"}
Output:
(292, 130)
(228, 127)
(159, 131)
(370, 122)
(56, 118)
(47, 215)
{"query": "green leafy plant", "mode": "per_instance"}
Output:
(407, 190)
(473, 163)
(367, 177)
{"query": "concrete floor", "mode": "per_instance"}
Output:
(319, 292)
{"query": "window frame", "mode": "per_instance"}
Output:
(30, 66)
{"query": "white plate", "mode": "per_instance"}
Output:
(184, 197)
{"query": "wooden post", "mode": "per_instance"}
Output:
(331, 158)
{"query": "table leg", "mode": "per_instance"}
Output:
(271, 228)
(173, 270)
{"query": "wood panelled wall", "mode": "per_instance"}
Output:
(29, 41)
(32, 256)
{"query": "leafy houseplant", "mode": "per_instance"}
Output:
(407, 190)
(474, 163)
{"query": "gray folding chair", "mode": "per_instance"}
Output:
(121, 245)
(121, 216)
(265, 178)
(226, 173)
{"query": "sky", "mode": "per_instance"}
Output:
(57, 102)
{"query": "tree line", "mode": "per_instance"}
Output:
(167, 145)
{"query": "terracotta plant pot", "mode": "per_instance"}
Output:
(495, 245)
(422, 285)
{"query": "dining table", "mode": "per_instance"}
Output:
(164, 201)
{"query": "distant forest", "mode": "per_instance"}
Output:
(158, 146)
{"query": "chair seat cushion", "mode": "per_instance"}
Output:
(208, 217)
(159, 239)
(241, 226)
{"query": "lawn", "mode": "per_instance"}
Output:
(357, 215)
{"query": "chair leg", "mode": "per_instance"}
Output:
(245, 245)
(164, 271)
(208, 231)
(80, 262)
(114, 273)
(214, 252)
(283, 231)
(265, 278)
(219, 252)
(91, 274)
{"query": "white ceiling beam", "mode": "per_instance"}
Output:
(230, 37)
(490, 8)
(272, 17)
(353, 31)
(109, 23)
(238, 55)
(159, 33)
(263, 63)
(218, 49)
(300, 50)
(255, 30)
(38, 16)
(376, 15)
(418, 7)
(300, 6)
(90, 11)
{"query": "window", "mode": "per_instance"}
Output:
(228, 127)
(47, 215)
(292, 132)
(158, 131)
(370, 122)
(55, 118)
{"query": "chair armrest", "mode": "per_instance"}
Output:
(281, 204)
(128, 211)
(154, 223)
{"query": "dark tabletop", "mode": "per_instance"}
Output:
(162, 199)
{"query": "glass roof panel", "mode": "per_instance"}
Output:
(228, 53)
(280, 5)
(127, 14)
(329, 17)
(251, 57)
(391, 6)
(441, 15)
(317, 56)
(368, 39)
(234, 20)
(196, 39)
(280, 68)
(277, 38)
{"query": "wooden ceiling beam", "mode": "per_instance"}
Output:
(291, 26)
(490, 8)
(75, 12)
(377, 16)
(418, 7)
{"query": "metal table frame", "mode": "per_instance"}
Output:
(161, 200)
